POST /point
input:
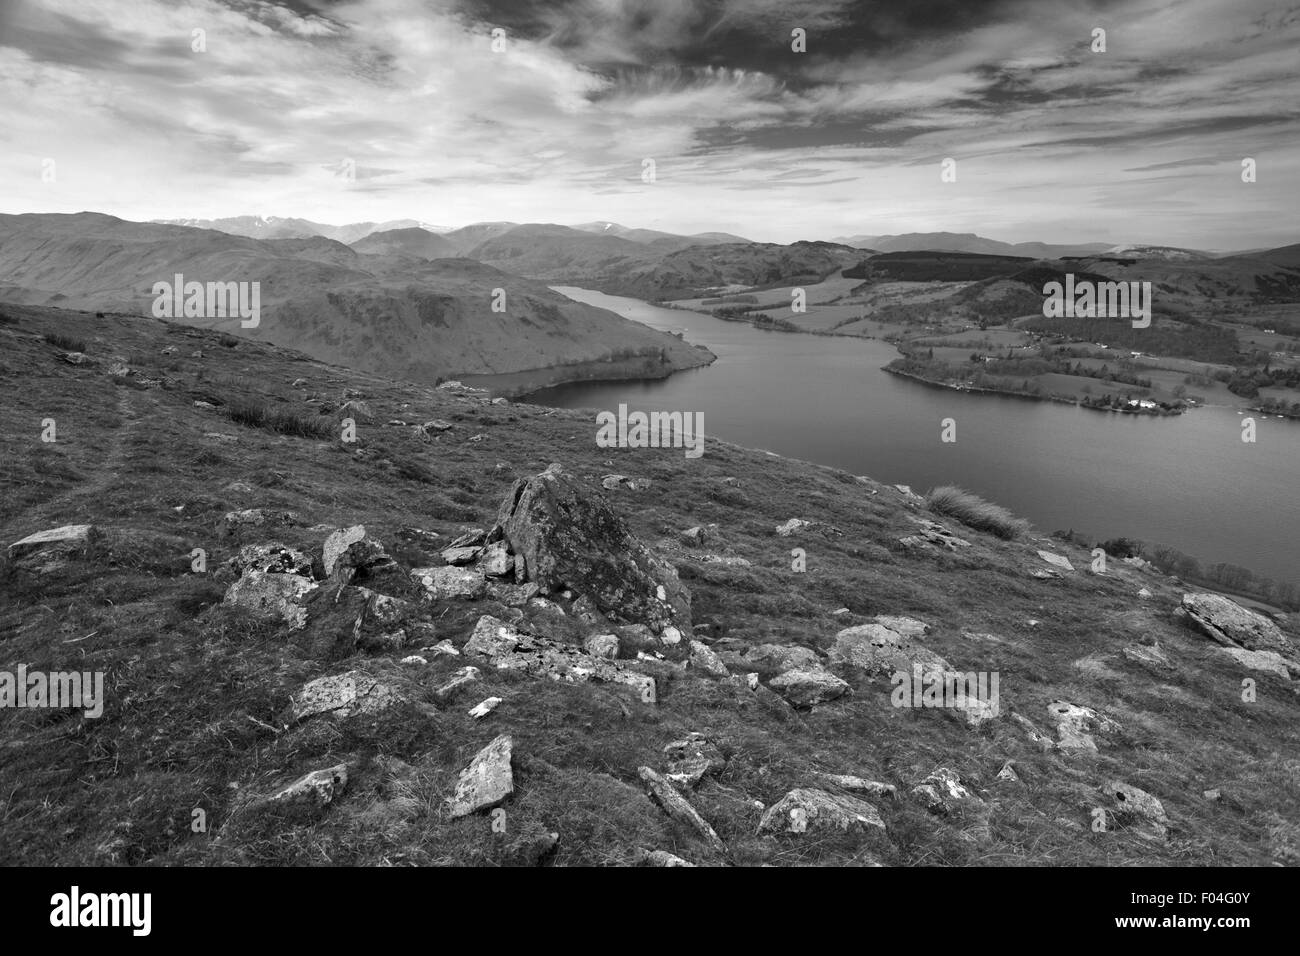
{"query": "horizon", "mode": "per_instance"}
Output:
(341, 111)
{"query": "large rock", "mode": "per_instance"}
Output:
(272, 595)
(943, 792)
(563, 536)
(353, 548)
(877, 649)
(1138, 810)
(449, 583)
(677, 807)
(1075, 725)
(702, 658)
(1229, 623)
(807, 809)
(270, 558)
(806, 688)
(780, 658)
(68, 538)
(486, 782)
(317, 788)
(1270, 662)
(342, 696)
(508, 649)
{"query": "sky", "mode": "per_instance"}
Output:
(369, 110)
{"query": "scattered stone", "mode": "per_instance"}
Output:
(942, 791)
(727, 560)
(496, 561)
(658, 858)
(981, 638)
(508, 649)
(443, 648)
(462, 677)
(677, 807)
(877, 649)
(354, 548)
(933, 534)
(272, 595)
(907, 492)
(1056, 560)
(76, 358)
(805, 809)
(257, 517)
(780, 657)
(1270, 662)
(484, 707)
(1229, 623)
(615, 482)
(1138, 809)
(690, 759)
(602, 645)
(500, 401)
(791, 526)
(807, 688)
(437, 425)
(1152, 655)
(907, 626)
(449, 583)
(671, 635)
(298, 383)
(563, 536)
(487, 782)
(270, 558)
(317, 788)
(1213, 795)
(695, 537)
(859, 784)
(199, 403)
(170, 350)
(414, 659)
(460, 556)
(1145, 593)
(841, 612)
(1075, 725)
(343, 696)
(703, 658)
(512, 595)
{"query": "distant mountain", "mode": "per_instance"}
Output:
(1288, 256)
(380, 313)
(559, 253)
(420, 243)
(969, 242)
(467, 237)
(1167, 253)
(274, 227)
(668, 241)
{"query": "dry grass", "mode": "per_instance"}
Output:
(256, 414)
(974, 512)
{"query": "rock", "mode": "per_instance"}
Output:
(437, 425)
(317, 788)
(477, 438)
(690, 759)
(980, 638)
(496, 561)
(446, 583)
(791, 526)
(702, 658)
(726, 560)
(76, 358)
(512, 595)
(933, 534)
(841, 612)
(694, 537)
(386, 610)
(1212, 795)
(462, 677)
(602, 645)
(909, 627)
(1036, 736)
(353, 548)
(508, 649)
(908, 493)
(415, 660)
(298, 383)
(500, 401)
(1138, 810)
(658, 858)
(343, 696)
(461, 555)
(677, 807)
(1056, 560)
(1270, 662)
(270, 558)
(781, 657)
(1229, 623)
(257, 517)
(671, 635)
(942, 792)
(877, 649)
(1150, 654)
(487, 782)
(272, 595)
(484, 707)
(859, 784)
(170, 350)
(806, 688)
(614, 482)
(1008, 772)
(806, 809)
(562, 536)
(444, 648)
(1075, 725)
(1145, 593)
(54, 543)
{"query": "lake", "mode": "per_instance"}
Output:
(1187, 481)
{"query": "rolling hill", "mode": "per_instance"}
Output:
(420, 243)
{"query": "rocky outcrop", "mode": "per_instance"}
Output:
(1229, 623)
(564, 537)
(343, 696)
(807, 688)
(451, 583)
(807, 809)
(272, 595)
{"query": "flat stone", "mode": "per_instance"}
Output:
(449, 583)
(272, 595)
(678, 808)
(1229, 623)
(343, 696)
(487, 782)
(484, 707)
(1139, 810)
(859, 784)
(703, 658)
(807, 688)
(1056, 560)
(69, 537)
(805, 809)
(318, 788)
(1269, 662)
(907, 626)
(1075, 725)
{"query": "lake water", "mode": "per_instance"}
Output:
(1187, 481)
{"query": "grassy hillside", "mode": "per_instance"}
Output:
(198, 692)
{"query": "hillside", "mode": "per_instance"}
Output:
(276, 227)
(419, 321)
(969, 242)
(304, 698)
(420, 243)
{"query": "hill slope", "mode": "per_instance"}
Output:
(420, 321)
(207, 704)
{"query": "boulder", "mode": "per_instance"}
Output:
(943, 792)
(1137, 809)
(678, 808)
(702, 658)
(512, 595)
(690, 759)
(49, 548)
(780, 658)
(343, 696)
(877, 649)
(484, 707)
(695, 537)
(806, 688)
(602, 645)
(459, 556)
(909, 627)
(449, 583)
(270, 558)
(859, 784)
(807, 809)
(1075, 725)
(272, 595)
(316, 789)
(1227, 622)
(1056, 560)
(496, 561)
(1270, 662)
(353, 548)
(487, 782)
(562, 536)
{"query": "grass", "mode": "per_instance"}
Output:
(255, 414)
(66, 342)
(196, 690)
(974, 512)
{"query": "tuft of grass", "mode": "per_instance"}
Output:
(256, 414)
(65, 342)
(974, 512)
